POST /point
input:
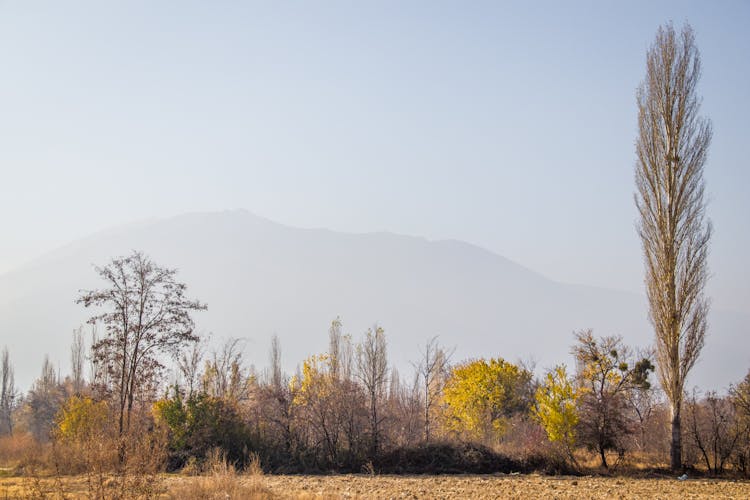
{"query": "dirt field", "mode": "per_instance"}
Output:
(449, 487)
(527, 486)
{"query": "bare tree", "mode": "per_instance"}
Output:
(346, 358)
(189, 365)
(644, 399)
(672, 147)
(8, 394)
(77, 357)
(225, 375)
(405, 410)
(372, 368)
(432, 370)
(275, 403)
(334, 347)
(713, 428)
(44, 401)
(277, 374)
(147, 315)
(740, 396)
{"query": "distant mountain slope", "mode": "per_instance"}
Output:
(261, 278)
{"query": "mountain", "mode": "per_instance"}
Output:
(260, 278)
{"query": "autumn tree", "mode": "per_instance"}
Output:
(316, 400)
(556, 408)
(81, 419)
(332, 396)
(672, 148)
(8, 394)
(146, 315)
(606, 373)
(481, 395)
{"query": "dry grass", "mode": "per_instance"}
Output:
(230, 484)
(18, 449)
(220, 481)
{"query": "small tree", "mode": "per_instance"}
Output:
(189, 364)
(405, 407)
(316, 399)
(606, 374)
(8, 394)
(45, 398)
(81, 418)
(224, 375)
(200, 424)
(274, 406)
(77, 358)
(147, 315)
(432, 371)
(481, 395)
(714, 429)
(740, 397)
(555, 408)
(645, 401)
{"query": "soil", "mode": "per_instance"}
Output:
(473, 487)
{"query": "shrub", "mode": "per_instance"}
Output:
(445, 458)
(201, 424)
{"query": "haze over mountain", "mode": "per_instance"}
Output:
(260, 278)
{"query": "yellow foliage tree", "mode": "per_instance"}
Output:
(316, 382)
(556, 407)
(315, 402)
(480, 395)
(81, 418)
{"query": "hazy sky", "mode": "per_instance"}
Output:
(510, 126)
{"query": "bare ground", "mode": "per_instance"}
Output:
(472, 487)
(504, 486)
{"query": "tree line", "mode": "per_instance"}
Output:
(347, 408)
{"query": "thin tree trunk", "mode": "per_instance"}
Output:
(374, 428)
(427, 410)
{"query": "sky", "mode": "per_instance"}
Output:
(506, 125)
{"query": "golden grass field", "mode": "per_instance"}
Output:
(387, 487)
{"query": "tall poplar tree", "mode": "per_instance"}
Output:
(672, 147)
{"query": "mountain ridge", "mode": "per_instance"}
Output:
(259, 277)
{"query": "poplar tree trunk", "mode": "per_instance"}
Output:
(675, 454)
